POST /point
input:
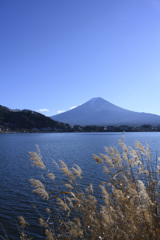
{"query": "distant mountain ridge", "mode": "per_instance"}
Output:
(26, 119)
(98, 111)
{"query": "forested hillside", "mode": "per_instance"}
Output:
(27, 119)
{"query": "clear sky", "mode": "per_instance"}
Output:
(56, 54)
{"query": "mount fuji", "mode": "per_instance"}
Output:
(100, 112)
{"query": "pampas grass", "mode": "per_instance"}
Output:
(128, 207)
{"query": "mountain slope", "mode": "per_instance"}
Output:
(98, 111)
(26, 119)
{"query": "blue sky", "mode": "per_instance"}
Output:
(56, 54)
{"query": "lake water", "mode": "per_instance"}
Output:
(73, 148)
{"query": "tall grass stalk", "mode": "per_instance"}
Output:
(129, 202)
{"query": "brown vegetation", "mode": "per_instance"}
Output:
(128, 207)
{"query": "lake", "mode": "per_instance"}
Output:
(16, 195)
